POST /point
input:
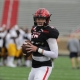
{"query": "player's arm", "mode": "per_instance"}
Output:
(53, 53)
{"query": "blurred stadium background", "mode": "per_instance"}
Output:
(65, 13)
(65, 17)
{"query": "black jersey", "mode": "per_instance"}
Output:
(39, 39)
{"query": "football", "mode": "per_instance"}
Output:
(24, 50)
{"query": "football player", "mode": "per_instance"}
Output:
(2, 49)
(11, 47)
(27, 60)
(43, 46)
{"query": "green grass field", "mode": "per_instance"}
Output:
(61, 71)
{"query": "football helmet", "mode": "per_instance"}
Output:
(42, 13)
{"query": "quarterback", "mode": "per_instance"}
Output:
(43, 46)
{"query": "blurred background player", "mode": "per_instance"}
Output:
(18, 42)
(74, 48)
(11, 47)
(2, 46)
(27, 37)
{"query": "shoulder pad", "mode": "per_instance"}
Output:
(53, 32)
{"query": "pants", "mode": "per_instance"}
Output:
(18, 52)
(41, 73)
(11, 50)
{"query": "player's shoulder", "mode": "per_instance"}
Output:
(53, 32)
(51, 28)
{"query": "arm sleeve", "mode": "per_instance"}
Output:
(53, 47)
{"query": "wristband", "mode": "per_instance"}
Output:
(40, 50)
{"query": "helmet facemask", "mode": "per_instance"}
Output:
(40, 21)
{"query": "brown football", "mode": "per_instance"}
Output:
(25, 51)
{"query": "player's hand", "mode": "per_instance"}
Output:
(30, 47)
